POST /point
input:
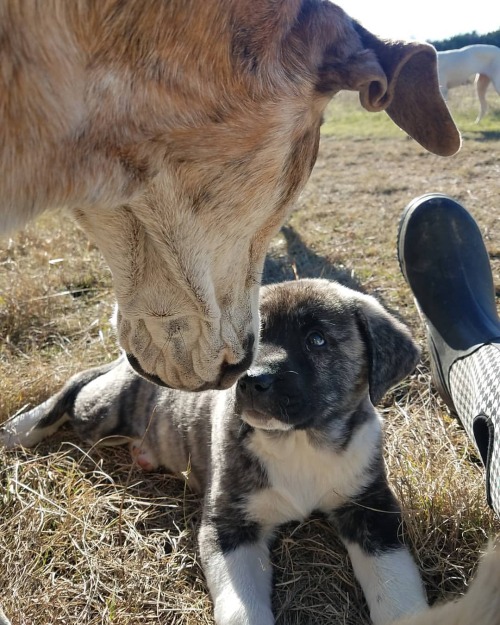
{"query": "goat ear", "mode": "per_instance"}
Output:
(400, 78)
(392, 353)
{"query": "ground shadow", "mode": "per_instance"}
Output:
(295, 260)
(483, 135)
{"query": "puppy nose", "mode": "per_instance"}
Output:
(260, 383)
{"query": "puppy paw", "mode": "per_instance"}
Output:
(143, 456)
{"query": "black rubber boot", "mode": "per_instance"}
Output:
(444, 260)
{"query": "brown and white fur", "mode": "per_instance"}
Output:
(456, 67)
(298, 433)
(179, 133)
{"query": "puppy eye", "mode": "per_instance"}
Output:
(315, 339)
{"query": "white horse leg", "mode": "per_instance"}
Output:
(482, 83)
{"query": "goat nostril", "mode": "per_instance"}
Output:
(230, 371)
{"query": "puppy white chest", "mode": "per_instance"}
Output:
(305, 476)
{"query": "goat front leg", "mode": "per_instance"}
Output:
(235, 559)
(370, 527)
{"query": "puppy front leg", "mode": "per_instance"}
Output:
(238, 574)
(370, 529)
(390, 581)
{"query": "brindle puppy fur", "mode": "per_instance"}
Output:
(298, 433)
(178, 133)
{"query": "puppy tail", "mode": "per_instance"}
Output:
(29, 428)
(479, 606)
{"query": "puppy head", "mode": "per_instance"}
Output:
(324, 349)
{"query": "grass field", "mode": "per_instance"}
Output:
(86, 538)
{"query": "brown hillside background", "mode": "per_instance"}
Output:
(87, 538)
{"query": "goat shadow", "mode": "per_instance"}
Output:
(483, 135)
(289, 258)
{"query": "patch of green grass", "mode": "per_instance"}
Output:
(345, 117)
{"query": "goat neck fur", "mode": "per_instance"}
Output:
(178, 134)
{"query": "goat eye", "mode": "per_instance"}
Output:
(315, 339)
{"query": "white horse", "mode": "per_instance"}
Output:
(456, 67)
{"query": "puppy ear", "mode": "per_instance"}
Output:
(392, 353)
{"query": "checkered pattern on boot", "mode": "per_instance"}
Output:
(475, 389)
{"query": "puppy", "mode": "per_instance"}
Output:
(298, 433)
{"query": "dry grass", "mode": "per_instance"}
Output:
(86, 538)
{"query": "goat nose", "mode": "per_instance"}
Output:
(229, 373)
(260, 383)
